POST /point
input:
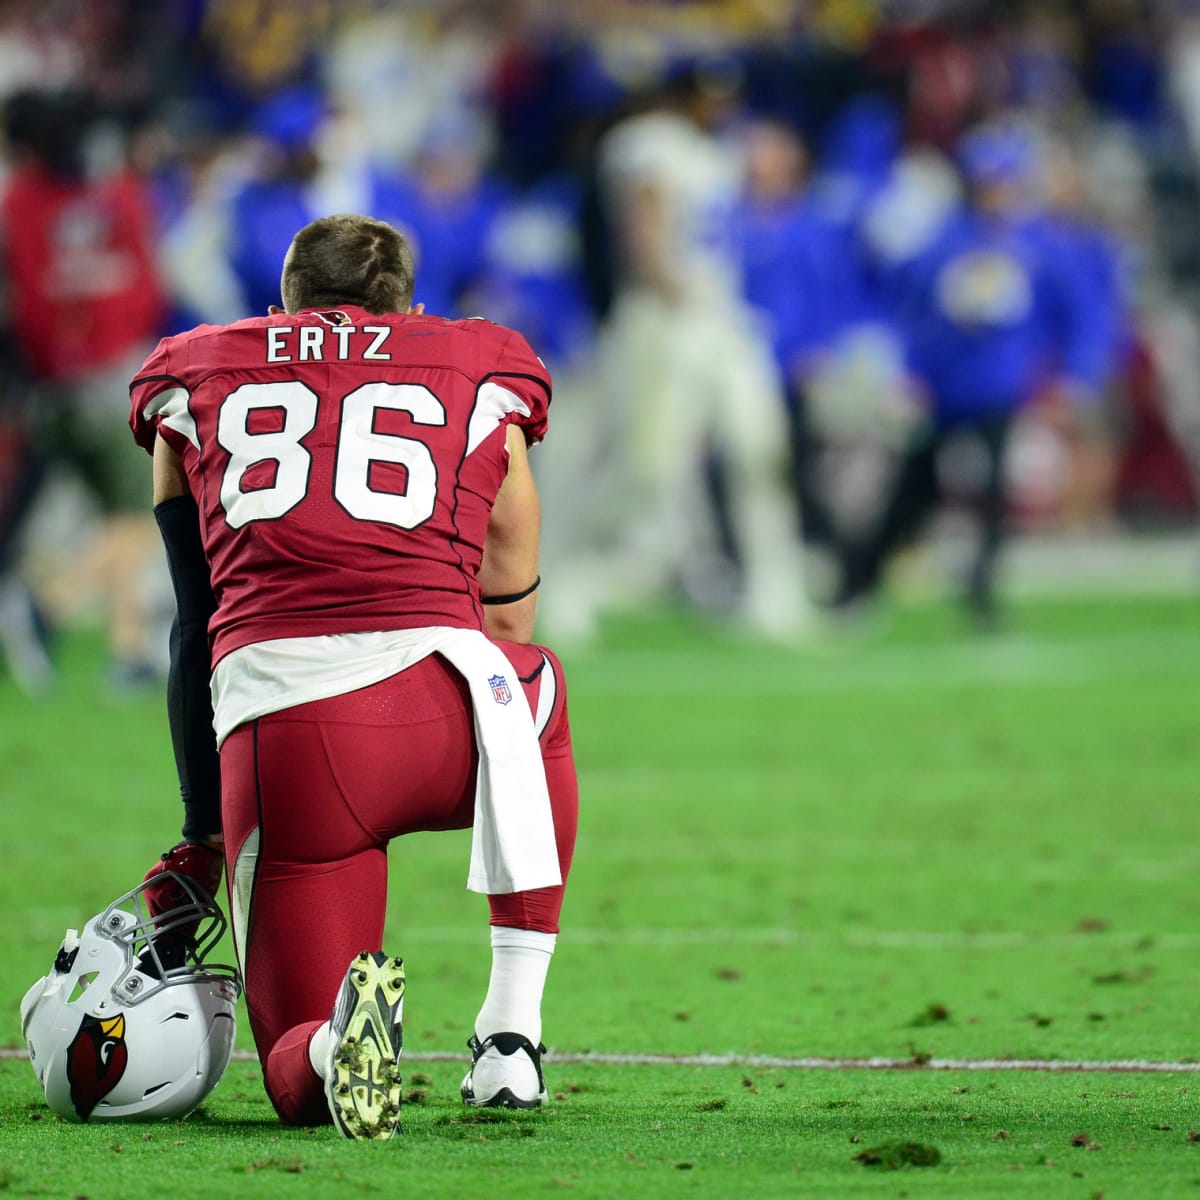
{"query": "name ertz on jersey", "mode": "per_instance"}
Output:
(323, 343)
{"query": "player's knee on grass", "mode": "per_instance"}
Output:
(296, 1092)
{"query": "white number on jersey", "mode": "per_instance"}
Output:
(359, 445)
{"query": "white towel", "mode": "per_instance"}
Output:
(512, 842)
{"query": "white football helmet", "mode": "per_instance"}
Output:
(132, 1024)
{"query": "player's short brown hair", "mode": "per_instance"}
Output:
(348, 259)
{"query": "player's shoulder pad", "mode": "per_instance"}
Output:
(479, 324)
(207, 330)
(176, 345)
(489, 330)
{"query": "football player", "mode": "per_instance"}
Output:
(696, 382)
(345, 497)
(83, 304)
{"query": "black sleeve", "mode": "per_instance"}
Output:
(189, 696)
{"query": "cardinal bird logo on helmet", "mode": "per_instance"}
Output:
(96, 1060)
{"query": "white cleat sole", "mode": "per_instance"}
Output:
(362, 1085)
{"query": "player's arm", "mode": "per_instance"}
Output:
(508, 575)
(189, 699)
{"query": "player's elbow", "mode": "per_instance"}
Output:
(511, 622)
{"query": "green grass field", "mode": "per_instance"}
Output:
(909, 844)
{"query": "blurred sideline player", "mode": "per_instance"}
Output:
(794, 273)
(690, 379)
(84, 305)
(989, 314)
(355, 474)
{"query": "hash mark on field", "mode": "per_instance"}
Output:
(1060, 1066)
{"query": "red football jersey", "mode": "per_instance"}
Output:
(79, 260)
(345, 465)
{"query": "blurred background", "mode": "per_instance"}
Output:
(842, 298)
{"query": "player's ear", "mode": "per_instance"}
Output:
(416, 310)
(273, 310)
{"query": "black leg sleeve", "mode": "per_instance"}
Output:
(189, 696)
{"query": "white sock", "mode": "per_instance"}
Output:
(319, 1047)
(322, 1042)
(513, 1004)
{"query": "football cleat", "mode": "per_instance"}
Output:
(362, 1080)
(506, 1072)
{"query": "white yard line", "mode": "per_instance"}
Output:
(1054, 1065)
(861, 939)
(858, 1064)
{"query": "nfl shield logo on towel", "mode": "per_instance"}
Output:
(500, 689)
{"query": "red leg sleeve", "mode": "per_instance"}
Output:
(542, 679)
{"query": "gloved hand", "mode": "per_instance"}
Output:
(201, 863)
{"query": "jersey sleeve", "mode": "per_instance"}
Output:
(522, 372)
(151, 392)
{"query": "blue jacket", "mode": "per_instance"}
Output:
(1090, 311)
(983, 314)
(800, 272)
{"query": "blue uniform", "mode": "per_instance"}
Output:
(1090, 308)
(977, 312)
(800, 276)
(790, 278)
(999, 305)
(989, 312)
